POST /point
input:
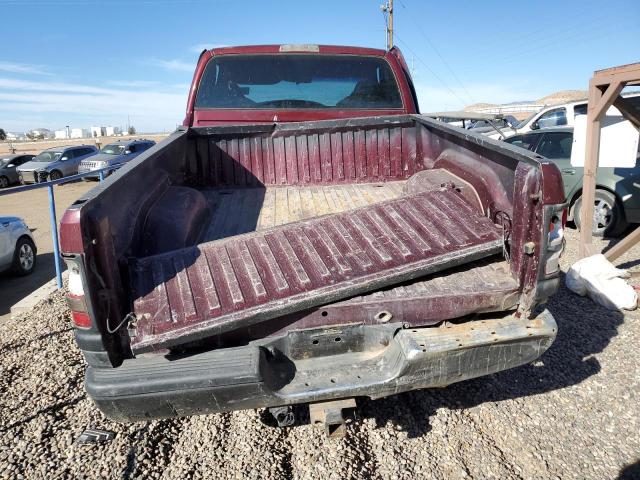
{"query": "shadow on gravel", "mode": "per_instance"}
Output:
(584, 329)
(17, 346)
(15, 288)
(50, 409)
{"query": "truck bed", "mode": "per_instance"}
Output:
(376, 238)
(240, 233)
(241, 210)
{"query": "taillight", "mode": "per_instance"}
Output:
(81, 319)
(555, 242)
(556, 230)
(76, 301)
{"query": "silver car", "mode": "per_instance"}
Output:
(55, 163)
(17, 248)
(114, 155)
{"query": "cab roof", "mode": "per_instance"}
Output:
(298, 48)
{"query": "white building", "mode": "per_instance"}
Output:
(113, 131)
(80, 133)
(15, 136)
(98, 131)
(60, 135)
(41, 132)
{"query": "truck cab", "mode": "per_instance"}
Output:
(293, 83)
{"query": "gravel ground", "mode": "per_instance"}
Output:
(572, 414)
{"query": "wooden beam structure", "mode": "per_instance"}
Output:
(623, 245)
(604, 91)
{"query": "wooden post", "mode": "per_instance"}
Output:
(590, 167)
(604, 90)
(623, 245)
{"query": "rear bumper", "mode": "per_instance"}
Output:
(253, 377)
(82, 170)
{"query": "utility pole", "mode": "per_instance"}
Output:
(387, 9)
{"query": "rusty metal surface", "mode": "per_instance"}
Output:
(482, 286)
(446, 295)
(332, 415)
(160, 386)
(240, 281)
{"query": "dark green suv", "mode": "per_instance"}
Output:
(617, 189)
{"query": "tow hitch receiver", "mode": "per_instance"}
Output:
(283, 415)
(333, 415)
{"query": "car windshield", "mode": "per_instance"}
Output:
(295, 81)
(113, 149)
(526, 120)
(4, 161)
(47, 156)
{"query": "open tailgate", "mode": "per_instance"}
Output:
(235, 282)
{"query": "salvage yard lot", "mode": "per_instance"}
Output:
(33, 207)
(572, 414)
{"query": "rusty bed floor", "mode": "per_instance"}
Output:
(290, 265)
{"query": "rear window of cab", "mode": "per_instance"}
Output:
(295, 81)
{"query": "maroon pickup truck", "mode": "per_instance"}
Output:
(307, 238)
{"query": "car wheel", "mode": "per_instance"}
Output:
(24, 257)
(55, 175)
(608, 215)
(4, 182)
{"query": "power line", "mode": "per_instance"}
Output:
(430, 70)
(588, 35)
(435, 49)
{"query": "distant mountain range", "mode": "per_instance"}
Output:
(563, 96)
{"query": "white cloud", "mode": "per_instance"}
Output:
(133, 83)
(173, 65)
(10, 67)
(53, 104)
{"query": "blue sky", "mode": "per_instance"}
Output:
(84, 62)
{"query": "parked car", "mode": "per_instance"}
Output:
(617, 200)
(483, 123)
(483, 126)
(17, 247)
(114, 155)
(206, 294)
(560, 115)
(8, 165)
(55, 163)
